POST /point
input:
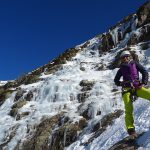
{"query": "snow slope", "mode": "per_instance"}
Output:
(65, 86)
(59, 92)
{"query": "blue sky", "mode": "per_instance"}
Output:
(33, 32)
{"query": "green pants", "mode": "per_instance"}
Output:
(129, 118)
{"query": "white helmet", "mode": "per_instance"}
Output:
(125, 53)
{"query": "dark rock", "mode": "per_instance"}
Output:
(19, 116)
(63, 120)
(19, 94)
(10, 84)
(83, 96)
(64, 136)
(85, 44)
(119, 36)
(128, 30)
(114, 90)
(133, 40)
(96, 127)
(16, 107)
(134, 56)
(107, 43)
(53, 69)
(82, 123)
(40, 139)
(85, 114)
(144, 46)
(13, 112)
(82, 68)
(19, 104)
(143, 14)
(28, 79)
(127, 144)
(92, 53)
(100, 67)
(99, 113)
(144, 36)
(29, 96)
(108, 119)
(87, 83)
(124, 21)
(86, 88)
(4, 94)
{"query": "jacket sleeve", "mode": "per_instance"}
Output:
(144, 73)
(117, 78)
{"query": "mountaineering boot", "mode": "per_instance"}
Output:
(133, 135)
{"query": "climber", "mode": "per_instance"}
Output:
(132, 86)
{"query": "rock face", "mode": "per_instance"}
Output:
(19, 95)
(107, 43)
(86, 87)
(143, 14)
(64, 136)
(47, 139)
(40, 138)
(143, 37)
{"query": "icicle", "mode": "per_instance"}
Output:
(65, 133)
(134, 22)
(114, 34)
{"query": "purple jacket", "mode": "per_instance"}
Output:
(130, 72)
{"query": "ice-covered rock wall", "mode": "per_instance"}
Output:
(73, 99)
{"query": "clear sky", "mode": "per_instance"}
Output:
(33, 32)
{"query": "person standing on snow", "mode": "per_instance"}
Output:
(131, 85)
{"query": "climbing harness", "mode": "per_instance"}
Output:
(131, 90)
(133, 95)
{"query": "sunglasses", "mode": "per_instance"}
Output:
(125, 56)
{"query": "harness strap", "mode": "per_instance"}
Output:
(130, 83)
(132, 92)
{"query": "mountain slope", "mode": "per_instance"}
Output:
(72, 102)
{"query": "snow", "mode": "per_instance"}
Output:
(59, 92)
(3, 83)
